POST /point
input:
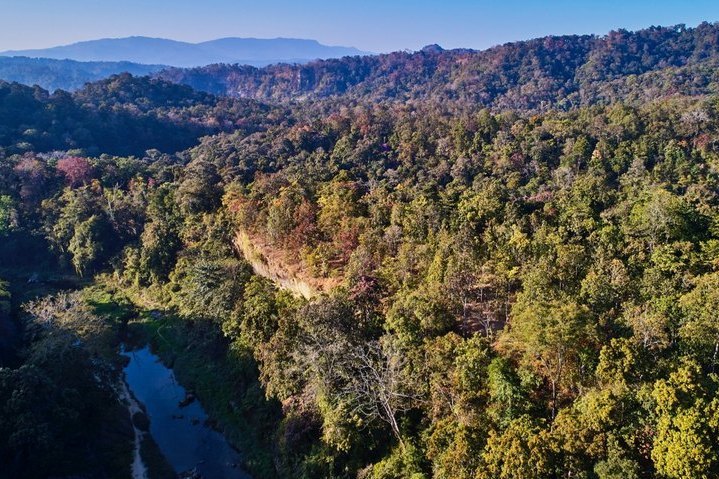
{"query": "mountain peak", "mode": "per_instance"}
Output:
(433, 48)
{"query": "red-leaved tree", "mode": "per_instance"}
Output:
(77, 170)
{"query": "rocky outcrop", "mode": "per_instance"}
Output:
(266, 261)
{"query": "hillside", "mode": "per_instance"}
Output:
(68, 75)
(551, 72)
(245, 51)
(431, 265)
(119, 115)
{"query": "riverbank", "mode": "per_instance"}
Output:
(139, 468)
(95, 436)
(224, 379)
(177, 422)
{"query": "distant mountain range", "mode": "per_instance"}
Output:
(67, 75)
(555, 72)
(154, 51)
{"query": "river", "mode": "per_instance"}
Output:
(181, 433)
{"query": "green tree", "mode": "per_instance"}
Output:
(551, 338)
(521, 451)
(259, 312)
(700, 329)
(508, 394)
(200, 190)
(160, 240)
(8, 215)
(687, 410)
(85, 245)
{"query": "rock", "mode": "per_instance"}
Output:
(141, 421)
(189, 399)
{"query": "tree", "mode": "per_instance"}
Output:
(456, 370)
(521, 451)
(77, 171)
(454, 449)
(687, 410)
(78, 230)
(8, 215)
(61, 398)
(208, 288)
(34, 176)
(598, 426)
(85, 245)
(375, 383)
(67, 314)
(200, 191)
(550, 337)
(508, 396)
(259, 312)
(660, 216)
(160, 244)
(617, 467)
(700, 329)
(160, 240)
(649, 325)
(304, 352)
(125, 209)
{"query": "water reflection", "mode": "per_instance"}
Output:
(180, 432)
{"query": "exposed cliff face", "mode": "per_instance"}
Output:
(271, 264)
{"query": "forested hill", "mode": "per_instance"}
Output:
(120, 115)
(507, 294)
(545, 73)
(65, 74)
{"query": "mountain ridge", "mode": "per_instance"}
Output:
(538, 74)
(153, 50)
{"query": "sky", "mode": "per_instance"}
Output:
(371, 25)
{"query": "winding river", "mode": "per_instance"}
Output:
(181, 433)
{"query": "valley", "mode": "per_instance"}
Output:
(424, 264)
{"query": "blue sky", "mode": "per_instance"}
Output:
(374, 25)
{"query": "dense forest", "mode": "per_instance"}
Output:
(513, 275)
(121, 115)
(537, 75)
